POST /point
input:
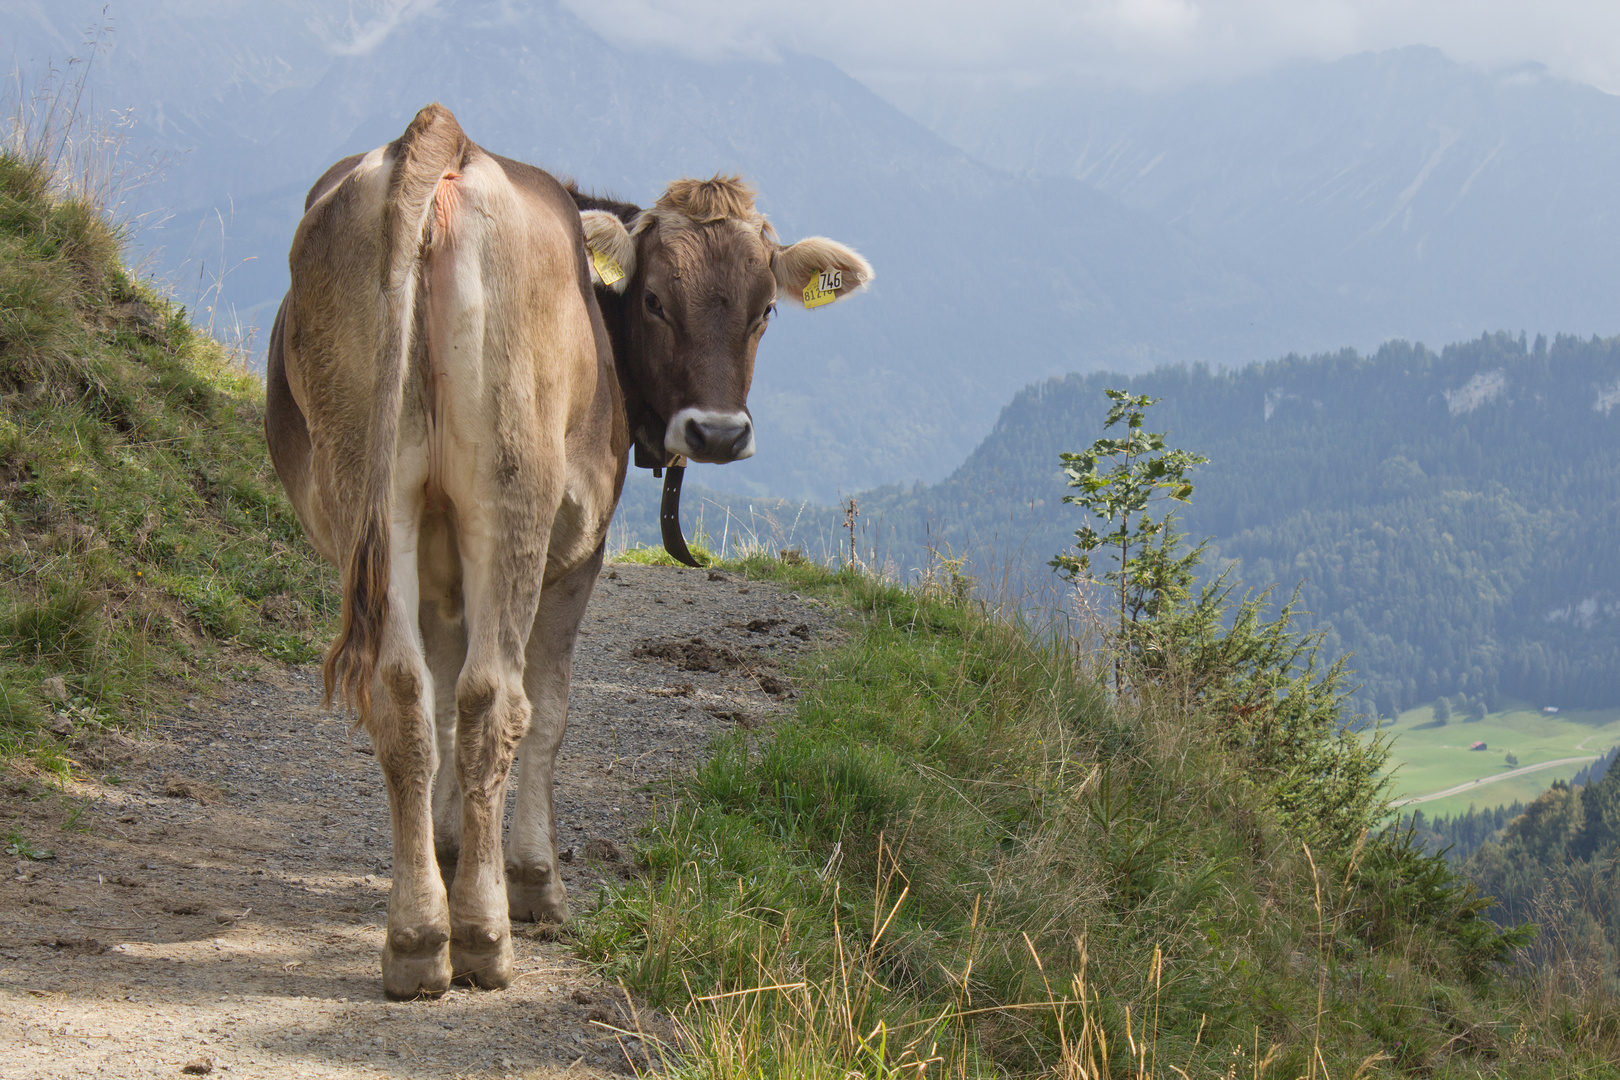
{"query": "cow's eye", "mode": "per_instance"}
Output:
(653, 306)
(770, 311)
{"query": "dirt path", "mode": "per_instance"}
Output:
(220, 907)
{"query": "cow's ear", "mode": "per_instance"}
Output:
(612, 253)
(817, 271)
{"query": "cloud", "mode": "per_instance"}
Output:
(1157, 24)
(1140, 42)
(358, 35)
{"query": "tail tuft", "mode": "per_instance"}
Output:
(352, 660)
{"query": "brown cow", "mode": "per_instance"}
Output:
(447, 411)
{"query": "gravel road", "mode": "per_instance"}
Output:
(215, 898)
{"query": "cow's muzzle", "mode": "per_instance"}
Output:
(716, 437)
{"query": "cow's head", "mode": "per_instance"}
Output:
(701, 273)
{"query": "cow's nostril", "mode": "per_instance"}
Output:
(695, 436)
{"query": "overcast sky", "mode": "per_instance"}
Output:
(1141, 42)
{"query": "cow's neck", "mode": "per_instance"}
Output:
(645, 425)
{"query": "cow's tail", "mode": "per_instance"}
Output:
(433, 147)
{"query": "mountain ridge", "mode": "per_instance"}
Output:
(1390, 178)
(965, 309)
(988, 281)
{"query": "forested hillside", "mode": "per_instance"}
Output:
(1453, 517)
(1558, 863)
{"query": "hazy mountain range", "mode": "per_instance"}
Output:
(1389, 195)
(1431, 200)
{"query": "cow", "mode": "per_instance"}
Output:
(450, 415)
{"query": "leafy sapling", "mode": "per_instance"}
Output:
(1118, 480)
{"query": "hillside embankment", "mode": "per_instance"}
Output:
(146, 550)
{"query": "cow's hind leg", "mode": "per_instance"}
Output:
(502, 591)
(416, 960)
(534, 890)
(444, 638)
(444, 642)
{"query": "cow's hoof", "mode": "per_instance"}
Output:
(482, 956)
(534, 894)
(416, 963)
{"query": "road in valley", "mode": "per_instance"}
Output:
(1484, 780)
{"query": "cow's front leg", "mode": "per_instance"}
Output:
(416, 959)
(534, 890)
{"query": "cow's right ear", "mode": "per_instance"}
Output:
(612, 252)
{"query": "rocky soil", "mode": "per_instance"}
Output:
(213, 900)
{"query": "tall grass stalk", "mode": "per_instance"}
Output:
(50, 119)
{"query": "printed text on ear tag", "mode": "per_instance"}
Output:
(606, 269)
(823, 288)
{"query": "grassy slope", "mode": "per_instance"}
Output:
(141, 528)
(1433, 758)
(958, 829)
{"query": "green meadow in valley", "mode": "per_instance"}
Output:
(1428, 757)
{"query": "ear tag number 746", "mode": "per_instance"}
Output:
(823, 288)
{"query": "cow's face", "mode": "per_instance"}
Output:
(702, 275)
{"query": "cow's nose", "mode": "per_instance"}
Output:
(719, 441)
(711, 436)
(707, 434)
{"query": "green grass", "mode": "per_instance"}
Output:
(142, 532)
(1433, 758)
(650, 555)
(960, 852)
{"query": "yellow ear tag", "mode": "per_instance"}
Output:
(823, 288)
(606, 269)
